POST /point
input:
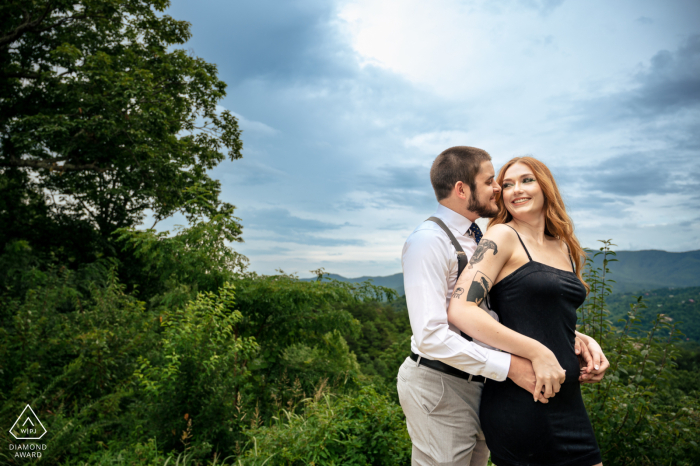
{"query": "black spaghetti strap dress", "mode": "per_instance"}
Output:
(539, 301)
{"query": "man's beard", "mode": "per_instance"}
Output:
(483, 210)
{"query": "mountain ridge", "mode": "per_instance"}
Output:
(632, 272)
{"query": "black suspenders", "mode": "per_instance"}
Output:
(462, 259)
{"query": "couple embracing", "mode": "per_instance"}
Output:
(496, 362)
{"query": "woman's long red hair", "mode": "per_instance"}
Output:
(557, 221)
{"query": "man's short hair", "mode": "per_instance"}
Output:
(460, 163)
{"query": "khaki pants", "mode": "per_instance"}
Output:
(442, 416)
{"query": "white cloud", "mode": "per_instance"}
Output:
(435, 142)
(467, 49)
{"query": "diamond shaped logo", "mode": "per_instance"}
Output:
(28, 426)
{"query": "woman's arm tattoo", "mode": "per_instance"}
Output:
(481, 249)
(458, 292)
(480, 287)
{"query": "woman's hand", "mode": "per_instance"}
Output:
(522, 374)
(548, 373)
(598, 360)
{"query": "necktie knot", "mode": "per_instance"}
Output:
(475, 232)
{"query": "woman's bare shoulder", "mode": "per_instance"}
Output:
(502, 235)
(500, 231)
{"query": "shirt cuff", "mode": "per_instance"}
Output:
(497, 366)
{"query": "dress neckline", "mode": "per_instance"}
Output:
(529, 257)
(516, 271)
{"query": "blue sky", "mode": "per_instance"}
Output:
(344, 106)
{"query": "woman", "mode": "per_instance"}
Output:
(529, 265)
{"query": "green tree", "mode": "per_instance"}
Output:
(383, 342)
(102, 118)
(170, 270)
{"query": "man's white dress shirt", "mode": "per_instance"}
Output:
(430, 268)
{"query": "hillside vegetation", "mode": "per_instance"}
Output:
(395, 282)
(681, 305)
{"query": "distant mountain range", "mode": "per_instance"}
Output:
(634, 271)
(648, 270)
(392, 281)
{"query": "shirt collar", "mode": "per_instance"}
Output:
(453, 220)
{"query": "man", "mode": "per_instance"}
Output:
(440, 384)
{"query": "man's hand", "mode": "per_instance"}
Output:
(585, 359)
(523, 375)
(596, 365)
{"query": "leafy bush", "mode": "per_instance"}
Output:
(105, 370)
(169, 270)
(192, 392)
(69, 344)
(142, 454)
(638, 415)
(382, 325)
(360, 429)
(301, 329)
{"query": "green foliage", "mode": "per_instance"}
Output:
(145, 454)
(686, 377)
(25, 215)
(689, 357)
(638, 415)
(192, 384)
(102, 117)
(169, 270)
(106, 371)
(301, 329)
(365, 428)
(383, 341)
(69, 344)
(332, 355)
(680, 304)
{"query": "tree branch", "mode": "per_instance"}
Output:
(24, 27)
(89, 212)
(23, 75)
(32, 25)
(52, 166)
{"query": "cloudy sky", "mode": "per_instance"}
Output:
(345, 104)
